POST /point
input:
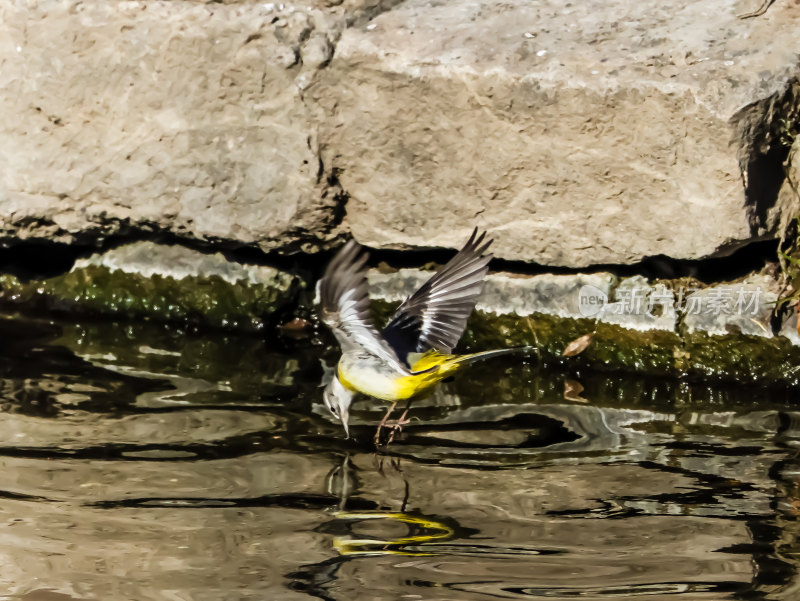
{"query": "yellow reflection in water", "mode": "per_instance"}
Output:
(432, 532)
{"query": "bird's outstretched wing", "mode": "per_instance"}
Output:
(434, 317)
(345, 305)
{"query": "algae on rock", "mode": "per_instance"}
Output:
(543, 312)
(168, 283)
(158, 282)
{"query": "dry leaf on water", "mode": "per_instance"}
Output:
(578, 345)
(573, 390)
(297, 328)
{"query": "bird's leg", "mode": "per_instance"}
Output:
(397, 426)
(382, 425)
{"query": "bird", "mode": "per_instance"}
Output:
(414, 351)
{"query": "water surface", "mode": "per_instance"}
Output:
(144, 462)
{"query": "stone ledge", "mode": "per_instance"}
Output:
(691, 333)
(168, 283)
(664, 337)
(633, 303)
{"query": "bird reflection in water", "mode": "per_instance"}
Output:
(421, 534)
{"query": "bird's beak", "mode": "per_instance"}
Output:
(345, 417)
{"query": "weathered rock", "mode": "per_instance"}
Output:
(232, 122)
(182, 117)
(503, 293)
(578, 135)
(632, 302)
(163, 282)
(744, 307)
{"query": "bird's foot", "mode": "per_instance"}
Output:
(394, 426)
(397, 426)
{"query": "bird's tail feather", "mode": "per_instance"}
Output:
(438, 363)
(473, 357)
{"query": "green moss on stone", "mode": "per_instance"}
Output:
(210, 300)
(612, 346)
(737, 358)
(746, 358)
(214, 301)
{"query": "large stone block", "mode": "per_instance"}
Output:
(579, 134)
(178, 117)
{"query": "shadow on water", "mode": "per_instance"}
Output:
(142, 462)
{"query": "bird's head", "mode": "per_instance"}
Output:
(337, 400)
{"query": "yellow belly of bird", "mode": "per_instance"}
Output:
(372, 377)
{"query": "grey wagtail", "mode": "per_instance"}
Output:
(414, 351)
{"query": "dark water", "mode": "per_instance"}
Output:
(140, 462)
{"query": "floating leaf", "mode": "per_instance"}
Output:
(573, 390)
(578, 345)
(297, 328)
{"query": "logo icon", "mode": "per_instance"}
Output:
(591, 300)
